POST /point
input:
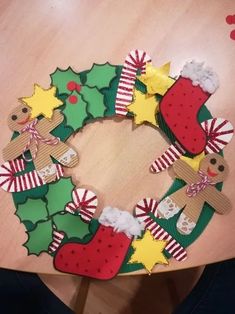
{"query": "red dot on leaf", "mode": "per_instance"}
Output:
(71, 86)
(73, 99)
(78, 87)
(232, 35)
(230, 19)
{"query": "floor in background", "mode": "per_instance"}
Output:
(159, 293)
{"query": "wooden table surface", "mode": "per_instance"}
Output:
(38, 36)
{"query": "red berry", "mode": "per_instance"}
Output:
(230, 19)
(232, 35)
(71, 86)
(78, 87)
(73, 99)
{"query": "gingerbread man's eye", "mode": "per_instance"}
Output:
(24, 110)
(213, 161)
(14, 117)
(221, 168)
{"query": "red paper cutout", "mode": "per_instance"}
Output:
(71, 86)
(179, 108)
(101, 258)
(73, 99)
(230, 19)
(232, 35)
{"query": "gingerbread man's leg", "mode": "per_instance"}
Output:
(171, 205)
(44, 165)
(66, 155)
(189, 217)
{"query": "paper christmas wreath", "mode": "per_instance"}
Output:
(58, 216)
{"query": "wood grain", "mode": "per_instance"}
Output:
(38, 36)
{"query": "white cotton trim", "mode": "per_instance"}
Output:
(205, 77)
(121, 221)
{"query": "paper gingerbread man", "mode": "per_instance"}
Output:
(199, 189)
(35, 137)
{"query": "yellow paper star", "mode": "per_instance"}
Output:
(157, 79)
(148, 251)
(42, 102)
(194, 162)
(144, 108)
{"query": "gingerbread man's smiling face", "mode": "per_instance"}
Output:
(19, 118)
(215, 167)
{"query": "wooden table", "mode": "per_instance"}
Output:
(38, 36)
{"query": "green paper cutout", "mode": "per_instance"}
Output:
(110, 93)
(95, 101)
(59, 194)
(60, 79)
(100, 75)
(32, 210)
(72, 225)
(76, 114)
(39, 238)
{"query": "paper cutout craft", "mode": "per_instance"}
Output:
(66, 81)
(143, 211)
(95, 101)
(182, 102)
(232, 34)
(30, 180)
(35, 136)
(84, 203)
(198, 190)
(219, 133)
(42, 102)
(100, 75)
(144, 108)
(148, 252)
(63, 189)
(194, 162)
(33, 210)
(135, 60)
(58, 237)
(102, 256)
(76, 110)
(157, 80)
(39, 238)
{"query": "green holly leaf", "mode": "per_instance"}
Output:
(72, 225)
(75, 110)
(32, 210)
(111, 92)
(61, 79)
(95, 101)
(59, 194)
(100, 75)
(39, 238)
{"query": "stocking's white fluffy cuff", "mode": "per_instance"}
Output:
(121, 221)
(205, 77)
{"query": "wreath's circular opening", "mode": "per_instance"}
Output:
(114, 161)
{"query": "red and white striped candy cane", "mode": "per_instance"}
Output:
(135, 60)
(84, 202)
(219, 133)
(11, 183)
(58, 236)
(142, 210)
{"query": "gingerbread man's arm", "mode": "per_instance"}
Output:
(185, 172)
(45, 126)
(217, 200)
(15, 148)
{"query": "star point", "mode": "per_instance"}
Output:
(194, 162)
(144, 108)
(157, 80)
(148, 251)
(42, 102)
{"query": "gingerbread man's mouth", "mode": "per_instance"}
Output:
(24, 121)
(211, 173)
